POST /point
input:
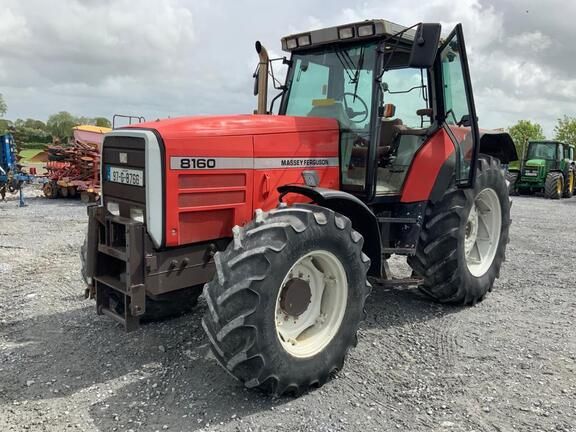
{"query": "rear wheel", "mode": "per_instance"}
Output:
(288, 296)
(569, 184)
(554, 186)
(463, 240)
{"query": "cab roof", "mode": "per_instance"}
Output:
(369, 29)
(545, 141)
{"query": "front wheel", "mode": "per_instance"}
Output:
(287, 298)
(554, 185)
(463, 240)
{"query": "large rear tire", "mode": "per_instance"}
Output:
(287, 299)
(554, 185)
(463, 240)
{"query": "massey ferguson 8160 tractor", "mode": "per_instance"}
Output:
(283, 218)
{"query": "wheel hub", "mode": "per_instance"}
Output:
(311, 303)
(482, 235)
(295, 297)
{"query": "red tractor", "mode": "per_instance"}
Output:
(375, 151)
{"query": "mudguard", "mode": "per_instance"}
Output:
(363, 219)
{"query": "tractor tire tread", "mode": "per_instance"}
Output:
(233, 324)
(551, 185)
(439, 257)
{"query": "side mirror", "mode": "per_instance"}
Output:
(465, 121)
(425, 47)
(387, 111)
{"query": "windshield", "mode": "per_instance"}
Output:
(333, 82)
(542, 151)
(337, 82)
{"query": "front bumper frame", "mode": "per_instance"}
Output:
(124, 268)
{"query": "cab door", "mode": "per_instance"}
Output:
(456, 105)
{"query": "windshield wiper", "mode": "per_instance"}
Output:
(357, 72)
(347, 64)
(352, 70)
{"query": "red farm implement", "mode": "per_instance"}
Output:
(75, 170)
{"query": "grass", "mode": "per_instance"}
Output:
(29, 153)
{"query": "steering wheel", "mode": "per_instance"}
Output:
(351, 113)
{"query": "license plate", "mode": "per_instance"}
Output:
(127, 176)
(530, 174)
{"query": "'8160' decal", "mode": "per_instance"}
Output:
(197, 163)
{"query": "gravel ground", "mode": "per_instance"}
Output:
(506, 364)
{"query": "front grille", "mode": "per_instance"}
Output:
(121, 152)
(530, 172)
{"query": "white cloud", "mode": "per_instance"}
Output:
(533, 40)
(174, 57)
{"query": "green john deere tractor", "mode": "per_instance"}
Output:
(546, 166)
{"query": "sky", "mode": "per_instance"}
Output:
(161, 58)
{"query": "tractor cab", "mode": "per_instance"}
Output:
(378, 84)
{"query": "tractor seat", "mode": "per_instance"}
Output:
(389, 130)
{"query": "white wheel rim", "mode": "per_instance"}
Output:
(483, 232)
(306, 329)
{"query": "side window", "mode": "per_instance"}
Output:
(459, 104)
(407, 89)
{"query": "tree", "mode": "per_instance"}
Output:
(524, 131)
(102, 122)
(35, 124)
(5, 125)
(60, 125)
(3, 106)
(565, 130)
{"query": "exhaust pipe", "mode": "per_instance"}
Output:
(262, 83)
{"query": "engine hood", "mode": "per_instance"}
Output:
(535, 163)
(237, 125)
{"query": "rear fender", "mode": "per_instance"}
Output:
(363, 219)
(498, 144)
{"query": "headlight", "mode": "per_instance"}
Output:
(291, 43)
(346, 32)
(366, 30)
(113, 208)
(137, 214)
(303, 40)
